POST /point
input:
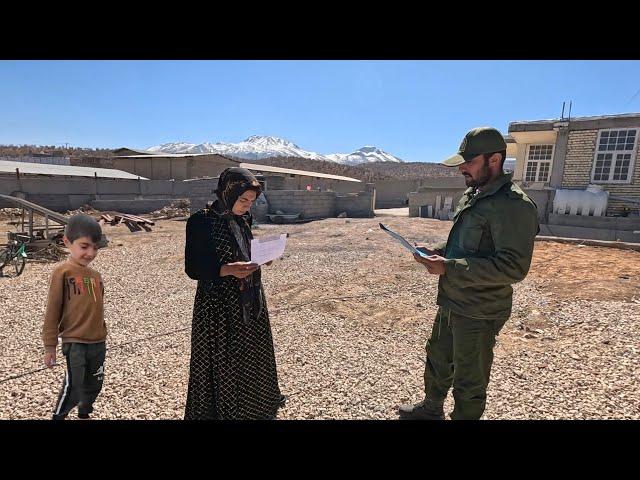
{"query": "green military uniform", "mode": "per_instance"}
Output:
(489, 248)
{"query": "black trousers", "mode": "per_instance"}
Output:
(83, 378)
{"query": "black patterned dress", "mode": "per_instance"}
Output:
(233, 368)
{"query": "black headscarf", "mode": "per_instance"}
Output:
(232, 183)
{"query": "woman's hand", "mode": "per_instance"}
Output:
(238, 269)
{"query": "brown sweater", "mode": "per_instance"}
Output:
(74, 306)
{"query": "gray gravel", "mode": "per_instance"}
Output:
(350, 313)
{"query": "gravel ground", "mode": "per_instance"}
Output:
(350, 313)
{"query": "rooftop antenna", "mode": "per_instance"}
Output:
(569, 110)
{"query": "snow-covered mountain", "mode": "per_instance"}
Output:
(366, 154)
(253, 148)
(257, 147)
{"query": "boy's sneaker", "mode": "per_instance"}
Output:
(84, 416)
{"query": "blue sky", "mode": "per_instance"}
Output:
(416, 110)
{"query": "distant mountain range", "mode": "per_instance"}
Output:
(258, 147)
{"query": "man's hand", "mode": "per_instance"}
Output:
(238, 269)
(49, 358)
(425, 249)
(434, 263)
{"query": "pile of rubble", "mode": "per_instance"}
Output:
(50, 253)
(133, 222)
(86, 209)
(178, 208)
(10, 213)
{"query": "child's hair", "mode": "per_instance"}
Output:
(82, 225)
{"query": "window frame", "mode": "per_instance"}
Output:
(614, 153)
(527, 161)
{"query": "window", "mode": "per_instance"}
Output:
(613, 160)
(538, 163)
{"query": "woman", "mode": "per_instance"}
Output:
(233, 368)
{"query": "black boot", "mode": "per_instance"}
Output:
(425, 410)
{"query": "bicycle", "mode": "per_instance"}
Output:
(13, 257)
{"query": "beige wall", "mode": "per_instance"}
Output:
(177, 168)
(198, 167)
(524, 139)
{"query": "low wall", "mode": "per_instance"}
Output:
(590, 233)
(134, 207)
(428, 195)
(544, 201)
(610, 223)
(355, 205)
(310, 204)
(394, 193)
(143, 196)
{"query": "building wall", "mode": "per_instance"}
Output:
(394, 193)
(312, 204)
(524, 140)
(315, 205)
(578, 165)
(167, 168)
(355, 205)
(141, 196)
(427, 196)
(212, 166)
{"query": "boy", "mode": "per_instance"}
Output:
(75, 313)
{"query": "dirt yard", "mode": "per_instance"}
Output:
(351, 312)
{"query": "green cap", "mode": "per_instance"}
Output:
(478, 141)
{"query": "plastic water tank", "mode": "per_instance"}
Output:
(592, 201)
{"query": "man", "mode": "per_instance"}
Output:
(489, 248)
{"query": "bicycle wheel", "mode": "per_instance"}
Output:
(18, 264)
(13, 267)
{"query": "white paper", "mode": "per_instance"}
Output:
(400, 239)
(265, 249)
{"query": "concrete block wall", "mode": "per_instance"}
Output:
(310, 204)
(589, 233)
(137, 206)
(355, 205)
(610, 223)
(544, 201)
(578, 163)
(394, 193)
(136, 197)
(427, 196)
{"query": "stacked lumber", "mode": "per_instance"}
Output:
(133, 222)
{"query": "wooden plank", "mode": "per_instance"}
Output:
(137, 219)
(132, 226)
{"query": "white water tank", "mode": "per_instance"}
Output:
(592, 201)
